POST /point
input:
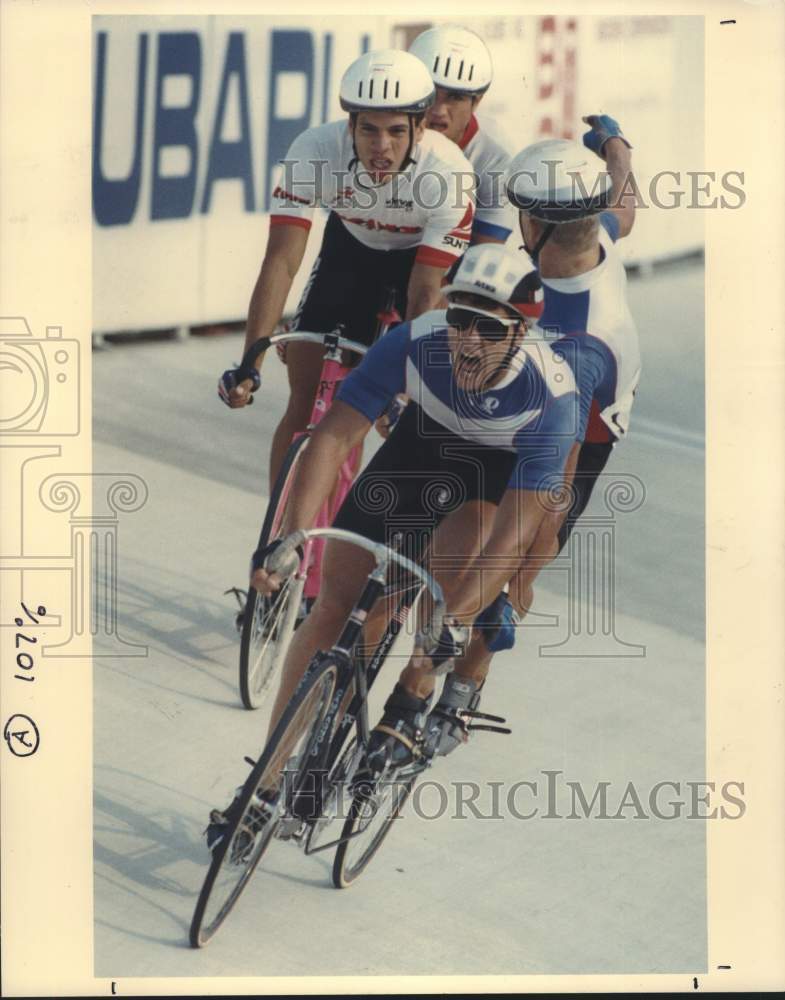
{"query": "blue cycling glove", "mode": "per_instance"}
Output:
(232, 377)
(498, 622)
(603, 127)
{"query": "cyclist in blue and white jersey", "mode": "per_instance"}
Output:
(460, 66)
(493, 415)
(400, 214)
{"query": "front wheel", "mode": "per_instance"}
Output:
(268, 622)
(376, 803)
(264, 800)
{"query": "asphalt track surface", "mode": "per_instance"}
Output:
(453, 891)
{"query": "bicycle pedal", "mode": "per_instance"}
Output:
(290, 828)
(473, 714)
(241, 595)
(503, 730)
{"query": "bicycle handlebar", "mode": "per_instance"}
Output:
(328, 339)
(332, 340)
(382, 554)
(341, 343)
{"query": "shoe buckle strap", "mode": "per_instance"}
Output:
(408, 743)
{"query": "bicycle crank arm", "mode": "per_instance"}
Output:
(335, 843)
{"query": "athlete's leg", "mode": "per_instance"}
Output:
(457, 540)
(475, 664)
(344, 571)
(580, 474)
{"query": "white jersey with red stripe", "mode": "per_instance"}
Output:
(595, 303)
(429, 205)
(486, 148)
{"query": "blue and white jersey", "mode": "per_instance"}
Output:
(535, 410)
(595, 303)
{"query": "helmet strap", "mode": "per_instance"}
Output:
(408, 158)
(544, 237)
(512, 349)
(508, 356)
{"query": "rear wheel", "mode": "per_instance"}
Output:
(375, 804)
(265, 799)
(268, 622)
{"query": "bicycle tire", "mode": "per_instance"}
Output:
(348, 865)
(286, 753)
(269, 621)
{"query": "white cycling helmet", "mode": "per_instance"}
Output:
(504, 276)
(387, 80)
(456, 58)
(557, 181)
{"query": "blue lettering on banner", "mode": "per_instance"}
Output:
(327, 61)
(174, 126)
(231, 159)
(114, 201)
(290, 52)
(179, 54)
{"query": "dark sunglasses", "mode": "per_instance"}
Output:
(489, 327)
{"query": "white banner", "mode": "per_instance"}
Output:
(191, 114)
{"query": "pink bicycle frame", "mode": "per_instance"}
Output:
(333, 373)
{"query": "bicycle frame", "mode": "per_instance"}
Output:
(333, 372)
(353, 669)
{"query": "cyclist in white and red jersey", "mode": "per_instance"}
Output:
(460, 66)
(401, 213)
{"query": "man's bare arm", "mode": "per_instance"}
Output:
(342, 428)
(618, 159)
(282, 259)
(425, 290)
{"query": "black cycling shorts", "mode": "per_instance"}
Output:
(350, 283)
(420, 474)
(592, 459)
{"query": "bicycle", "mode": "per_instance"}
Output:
(307, 768)
(267, 623)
